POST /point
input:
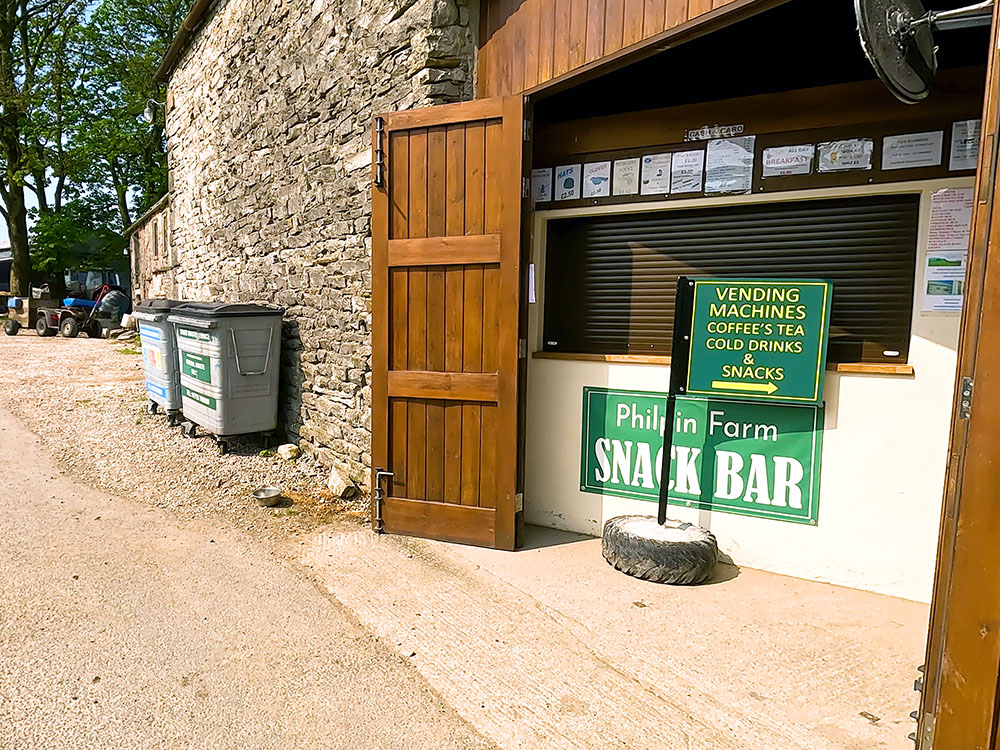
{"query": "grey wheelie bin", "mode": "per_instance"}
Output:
(159, 356)
(229, 357)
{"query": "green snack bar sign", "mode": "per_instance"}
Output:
(759, 340)
(737, 457)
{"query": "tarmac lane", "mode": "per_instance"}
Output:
(123, 626)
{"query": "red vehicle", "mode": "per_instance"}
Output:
(83, 316)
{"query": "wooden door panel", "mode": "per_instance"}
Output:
(445, 251)
(446, 278)
(440, 521)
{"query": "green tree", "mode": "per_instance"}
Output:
(79, 236)
(29, 30)
(75, 76)
(125, 42)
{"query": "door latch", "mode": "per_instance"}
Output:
(380, 476)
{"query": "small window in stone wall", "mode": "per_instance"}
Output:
(165, 228)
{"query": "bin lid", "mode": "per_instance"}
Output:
(214, 310)
(157, 305)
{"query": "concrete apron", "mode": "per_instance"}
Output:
(551, 647)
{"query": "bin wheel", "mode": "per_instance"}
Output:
(267, 439)
(189, 429)
(152, 407)
(222, 446)
(11, 327)
(172, 419)
(69, 328)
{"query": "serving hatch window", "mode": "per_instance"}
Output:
(610, 280)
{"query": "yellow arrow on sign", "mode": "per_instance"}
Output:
(723, 385)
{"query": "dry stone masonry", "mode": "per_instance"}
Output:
(268, 127)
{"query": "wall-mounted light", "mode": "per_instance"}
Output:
(149, 114)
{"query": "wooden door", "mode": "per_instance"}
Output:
(959, 702)
(446, 251)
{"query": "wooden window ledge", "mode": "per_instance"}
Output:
(635, 359)
(872, 368)
(850, 368)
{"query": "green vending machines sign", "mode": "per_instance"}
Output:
(737, 457)
(758, 340)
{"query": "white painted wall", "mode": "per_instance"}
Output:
(883, 458)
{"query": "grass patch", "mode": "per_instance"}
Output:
(267, 453)
(128, 350)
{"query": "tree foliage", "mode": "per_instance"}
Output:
(78, 236)
(75, 77)
(30, 31)
(125, 40)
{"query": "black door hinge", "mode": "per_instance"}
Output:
(965, 405)
(379, 152)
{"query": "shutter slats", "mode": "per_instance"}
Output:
(610, 280)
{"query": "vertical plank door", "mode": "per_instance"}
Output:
(446, 248)
(960, 701)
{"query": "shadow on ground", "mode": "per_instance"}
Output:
(536, 537)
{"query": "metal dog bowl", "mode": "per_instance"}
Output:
(268, 496)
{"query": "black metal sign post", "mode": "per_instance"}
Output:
(680, 357)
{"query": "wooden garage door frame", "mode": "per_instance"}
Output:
(446, 276)
(960, 701)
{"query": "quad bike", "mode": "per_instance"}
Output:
(68, 320)
(81, 316)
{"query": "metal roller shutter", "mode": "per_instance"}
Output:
(610, 280)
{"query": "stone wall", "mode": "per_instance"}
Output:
(153, 259)
(269, 146)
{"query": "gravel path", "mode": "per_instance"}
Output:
(125, 626)
(85, 399)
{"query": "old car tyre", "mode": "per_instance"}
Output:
(93, 329)
(677, 553)
(69, 328)
(42, 327)
(11, 327)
